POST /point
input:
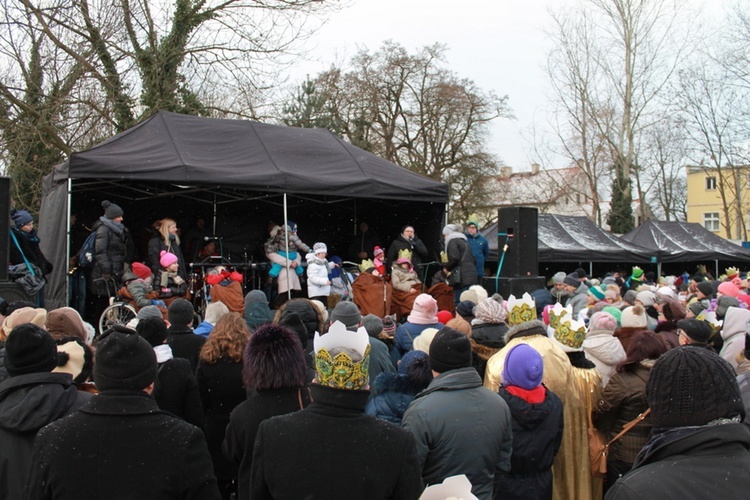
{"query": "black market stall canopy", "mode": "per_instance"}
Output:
(673, 241)
(565, 238)
(243, 173)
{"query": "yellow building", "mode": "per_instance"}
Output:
(719, 199)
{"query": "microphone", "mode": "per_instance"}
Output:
(209, 238)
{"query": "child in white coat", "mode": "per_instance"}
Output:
(318, 283)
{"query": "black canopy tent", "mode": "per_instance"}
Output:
(243, 174)
(575, 239)
(674, 241)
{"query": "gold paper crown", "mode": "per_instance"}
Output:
(558, 314)
(443, 257)
(341, 371)
(366, 264)
(570, 333)
(710, 318)
(520, 310)
(732, 272)
(404, 252)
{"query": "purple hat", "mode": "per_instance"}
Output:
(523, 367)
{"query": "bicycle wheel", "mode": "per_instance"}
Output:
(118, 313)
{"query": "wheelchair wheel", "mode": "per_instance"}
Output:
(118, 313)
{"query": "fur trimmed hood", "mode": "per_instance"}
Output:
(527, 329)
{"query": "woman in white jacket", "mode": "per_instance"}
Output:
(600, 347)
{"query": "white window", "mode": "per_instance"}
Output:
(711, 221)
(710, 183)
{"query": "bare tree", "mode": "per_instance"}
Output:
(621, 54)
(413, 111)
(77, 72)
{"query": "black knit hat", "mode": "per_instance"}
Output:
(699, 331)
(449, 350)
(293, 322)
(692, 386)
(124, 361)
(153, 330)
(706, 288)
(112, 211)
(29, 349)
(180, 312)
(572, 279)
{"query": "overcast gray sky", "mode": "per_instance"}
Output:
(500, 44)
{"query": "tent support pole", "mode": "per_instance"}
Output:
(213, 222)
(591, 269)
(286, 244)
(716, 269)
(67, 241)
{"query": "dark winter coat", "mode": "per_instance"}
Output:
(461, 428)
(392, 394)
(129, 447)
(623, 399)
(29, 243)
(167, 286)
(407, 332)
(244, 423)
(28, 403)
(668, 331)
(537, 434)
(690, 463)
(155, 246)
(380, 359)
(334, 451)
(459, 255)
(112, 248)
(415, 246)
(221, 390)
(480, 248)
(176, 391)
(185, 344)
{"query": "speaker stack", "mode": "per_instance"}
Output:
(518, 250)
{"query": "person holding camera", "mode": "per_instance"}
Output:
(407, 241)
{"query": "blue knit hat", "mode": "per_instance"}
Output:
(21, 218)
(408, 359)
(523, 367)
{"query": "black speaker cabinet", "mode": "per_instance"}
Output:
(518, 226)
(12, 292)
(4, 226)
(513, 286)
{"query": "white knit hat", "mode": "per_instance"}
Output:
(634, 317)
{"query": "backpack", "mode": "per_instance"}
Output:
(86, 253)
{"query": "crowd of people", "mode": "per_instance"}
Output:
(350, 398)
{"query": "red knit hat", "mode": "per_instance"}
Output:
(140, 270)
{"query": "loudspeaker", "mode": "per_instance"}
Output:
(513, 286)
(4, 226)
(12, 292)
(519, 227)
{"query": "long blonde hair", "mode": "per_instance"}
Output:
(162, 226)
(228, 338)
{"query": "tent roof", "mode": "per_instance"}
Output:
(675, 241)
(576, 239)
(191, 150)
